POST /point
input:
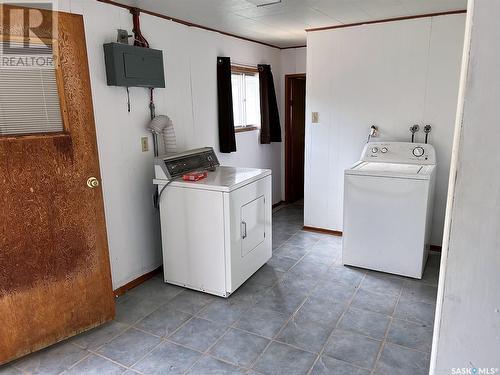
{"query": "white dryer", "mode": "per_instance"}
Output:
(215, 232)
(388, 204)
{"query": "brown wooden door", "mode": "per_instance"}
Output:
(54, 265)
(295, 134)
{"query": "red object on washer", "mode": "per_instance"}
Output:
(194, 176)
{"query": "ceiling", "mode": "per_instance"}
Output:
(283, 24)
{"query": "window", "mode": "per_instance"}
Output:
(246, 97)
(29, 97)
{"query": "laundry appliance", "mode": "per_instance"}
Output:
(388, 204)
(216, 232)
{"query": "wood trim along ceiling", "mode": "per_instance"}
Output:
(294, 47)
(404, 18)
(191, 24)
(186, 23)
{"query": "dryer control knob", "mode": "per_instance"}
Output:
(374, 150)
(383, 150)
(418, 151)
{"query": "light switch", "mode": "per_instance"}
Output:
(315, 117)
(145, 144)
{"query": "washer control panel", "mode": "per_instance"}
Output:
(399, 152)
(418, 151)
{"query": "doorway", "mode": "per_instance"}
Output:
(295, 110)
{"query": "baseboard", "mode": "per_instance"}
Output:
(136, 282)
(435, 248)
(141, 279)
(339, 234)
(322, 230)
(278, 204)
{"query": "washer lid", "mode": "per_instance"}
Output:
(396, 170)
(223, 179)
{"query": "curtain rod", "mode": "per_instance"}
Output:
(235, 63)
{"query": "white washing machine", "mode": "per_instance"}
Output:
(388, 204)
(215, 232)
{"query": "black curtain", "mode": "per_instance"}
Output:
(227, 139)
(270, 130)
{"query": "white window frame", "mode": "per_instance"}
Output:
(236, 70)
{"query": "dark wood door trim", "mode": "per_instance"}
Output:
(288, 108)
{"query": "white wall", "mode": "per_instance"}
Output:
(467, 332)
(390, 74)
(189, 99)
(293, 60)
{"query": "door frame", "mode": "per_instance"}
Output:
(288, 108)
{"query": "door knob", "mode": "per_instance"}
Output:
(92, 182)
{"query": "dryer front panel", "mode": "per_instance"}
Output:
(249, 233)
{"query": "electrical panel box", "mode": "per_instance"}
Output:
(132, 66)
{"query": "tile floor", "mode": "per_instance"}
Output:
(302, 313)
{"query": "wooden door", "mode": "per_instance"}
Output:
(294, 136)
(54, 266)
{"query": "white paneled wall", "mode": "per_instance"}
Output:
(392, 75)
(189, 99)
(467, 327)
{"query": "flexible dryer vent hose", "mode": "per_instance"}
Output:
(162, 126)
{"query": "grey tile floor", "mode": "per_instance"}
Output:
(302, 313)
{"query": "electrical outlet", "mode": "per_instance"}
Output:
(315, 117)
(145, 144)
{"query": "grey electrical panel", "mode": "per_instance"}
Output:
(133, 66)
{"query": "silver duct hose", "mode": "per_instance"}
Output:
(163, 127)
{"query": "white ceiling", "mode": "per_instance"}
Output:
(283, 24)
